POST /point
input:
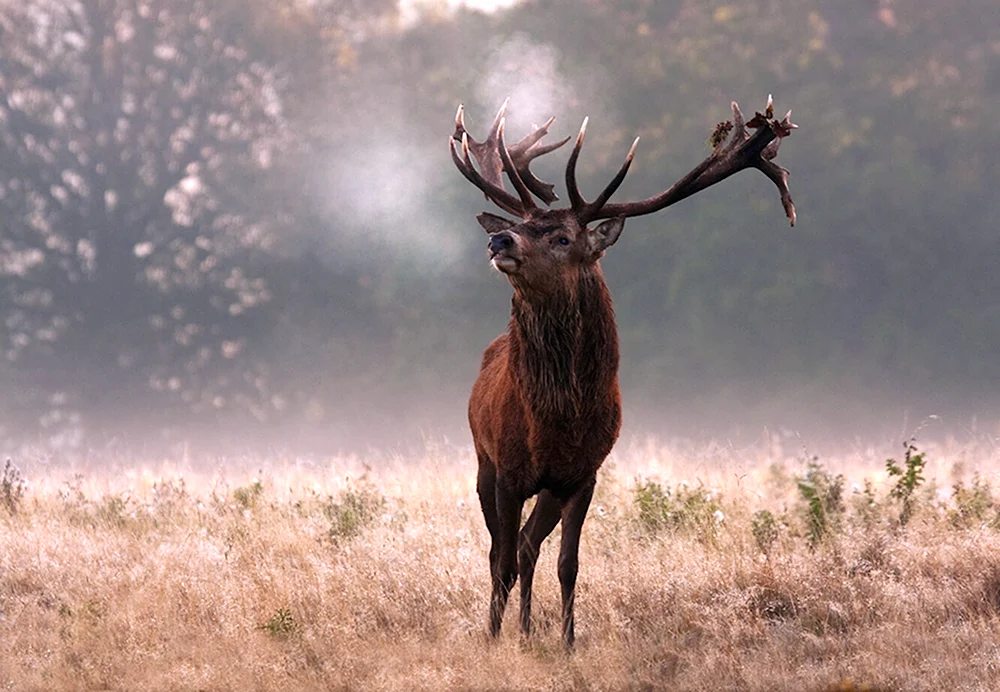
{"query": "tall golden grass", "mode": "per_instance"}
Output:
(178, 576)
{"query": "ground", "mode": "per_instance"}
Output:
(702, 567)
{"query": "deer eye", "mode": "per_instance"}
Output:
(564, 241)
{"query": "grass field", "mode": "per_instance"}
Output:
(702, 568)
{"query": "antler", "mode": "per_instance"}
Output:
(742, 151)
(494, 158)
(584, 210)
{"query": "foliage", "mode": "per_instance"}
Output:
(685, 508)
(865, 504)
(908, 477)
(131, 138)
(12, 486)
(820, 501)
(203, 204)
(973, 505)
(246, 496)
(764, 528)
(281, 625)
(112, 511)
(357, 508)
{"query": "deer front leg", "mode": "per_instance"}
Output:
(508, 506)
(486, 485)
(574, 511)
(542, 520)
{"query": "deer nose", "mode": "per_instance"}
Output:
(500, 242)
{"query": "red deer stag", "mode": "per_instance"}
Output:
(546, 408)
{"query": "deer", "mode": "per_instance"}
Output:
(546, 408)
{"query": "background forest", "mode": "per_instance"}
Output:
(236, 221)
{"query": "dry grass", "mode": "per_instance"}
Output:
(320, 577)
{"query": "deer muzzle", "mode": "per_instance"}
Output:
(502, 248)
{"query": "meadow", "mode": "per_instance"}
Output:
(703, 567)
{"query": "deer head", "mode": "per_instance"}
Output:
(547, 246)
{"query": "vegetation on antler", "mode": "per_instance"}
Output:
(740, 151)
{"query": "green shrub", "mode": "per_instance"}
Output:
(281, 625)
(974, 506)
(357, 508)
(765, 530)
(821, 501)
(865, 504)
(113, 510)
(246, 496)
(908, 477)
(685, 508)
(12, 486)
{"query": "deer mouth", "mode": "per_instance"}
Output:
(505, 264)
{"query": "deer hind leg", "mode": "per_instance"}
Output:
(508, 512)
(574, 511)
(542, 520)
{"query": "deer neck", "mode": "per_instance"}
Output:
(564, 347)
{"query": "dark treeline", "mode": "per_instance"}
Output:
(238, 220)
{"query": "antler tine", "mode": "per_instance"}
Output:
(742, 151)
(532, 138)
(530, 148)
(498, 121)
(779, 176)
(739, 127)
(498, 195)
(576, 200)
(459, 122)
(605, 195)
(541, 149)
(485, 152)
(527, 203)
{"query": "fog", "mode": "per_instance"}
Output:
(235, 228)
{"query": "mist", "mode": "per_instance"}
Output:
(237, 228)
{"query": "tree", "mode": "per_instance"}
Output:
(133, 136)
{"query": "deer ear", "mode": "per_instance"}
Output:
(493, 223)
(605, 234)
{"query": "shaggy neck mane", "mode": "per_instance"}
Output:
(564, 347)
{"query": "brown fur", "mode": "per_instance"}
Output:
(546, 408)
